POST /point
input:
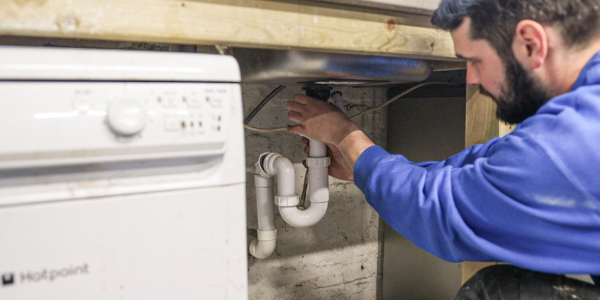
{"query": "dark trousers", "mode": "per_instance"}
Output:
(504, 282)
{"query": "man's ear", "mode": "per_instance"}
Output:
(530, 44)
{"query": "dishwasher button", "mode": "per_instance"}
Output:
(83, 104)
(172, 124)
(214, 100)
(194, 100)
(126, 117)
(170, 100)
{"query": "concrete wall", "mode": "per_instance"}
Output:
(337, 258)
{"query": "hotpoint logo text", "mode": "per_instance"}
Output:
(45, 275)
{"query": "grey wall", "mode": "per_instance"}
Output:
(421, 129)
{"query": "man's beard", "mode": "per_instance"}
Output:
(521, 96)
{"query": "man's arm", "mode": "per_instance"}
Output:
(326, 123)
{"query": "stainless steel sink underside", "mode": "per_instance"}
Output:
(306, 68)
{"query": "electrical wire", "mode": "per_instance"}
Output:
(384, 104)
(263, 103)
(265, 130)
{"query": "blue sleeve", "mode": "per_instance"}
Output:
(465, 157)
(509, 200)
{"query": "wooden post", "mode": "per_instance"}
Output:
(481, 126)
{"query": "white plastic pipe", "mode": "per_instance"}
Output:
(271, 164)
(318, 164)
(264, 245)
(317, 149)
(264, 202)
(337, 100)
(318, 190)
(318, 173)
(303, 218)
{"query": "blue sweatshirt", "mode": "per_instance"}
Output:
(531, 198)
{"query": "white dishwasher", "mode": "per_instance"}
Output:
(122, 175)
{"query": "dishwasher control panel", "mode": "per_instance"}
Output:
(90, 122)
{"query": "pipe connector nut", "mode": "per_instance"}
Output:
(263, 167)
(259, 168)
(318, 162)
(287, 200)
(267, 235)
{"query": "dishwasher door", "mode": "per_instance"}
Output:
(188, 244)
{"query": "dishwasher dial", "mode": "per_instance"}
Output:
(126, 117)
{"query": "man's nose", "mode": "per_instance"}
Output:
(472, 76)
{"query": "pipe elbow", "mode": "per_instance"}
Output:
(303, 218)
(283, 167)
(264, 245)
(277, 164)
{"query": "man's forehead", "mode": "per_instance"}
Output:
(464, 46)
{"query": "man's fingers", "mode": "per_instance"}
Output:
(295, 106)
(303, 99)
(295, 116)
(307, 147)
(297, 129)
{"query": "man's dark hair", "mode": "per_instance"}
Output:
(496, 20)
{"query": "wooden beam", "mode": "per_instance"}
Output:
(248, 23)
(425, 7)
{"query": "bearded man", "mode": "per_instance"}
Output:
(531, 198)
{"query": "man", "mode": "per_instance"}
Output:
(532, 198)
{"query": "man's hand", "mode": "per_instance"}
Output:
(319, 120)
(324, 122)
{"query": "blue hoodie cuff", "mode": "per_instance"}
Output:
(365, 164)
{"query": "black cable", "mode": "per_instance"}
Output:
(263, 103)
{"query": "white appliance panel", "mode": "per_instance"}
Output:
(172, 245)
(58, 123)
